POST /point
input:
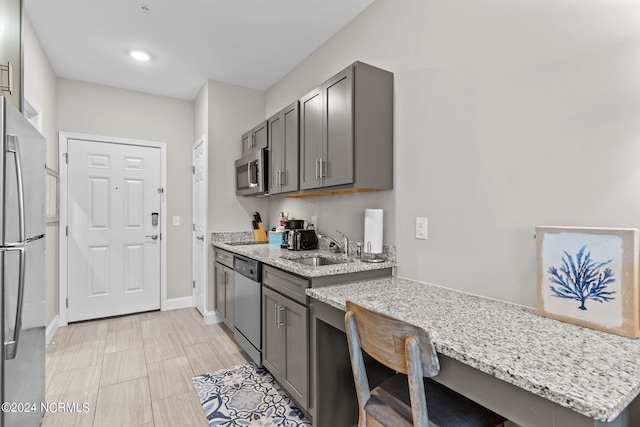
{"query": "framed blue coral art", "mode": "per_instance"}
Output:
(589, 277)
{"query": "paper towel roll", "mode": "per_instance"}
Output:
(373, 231)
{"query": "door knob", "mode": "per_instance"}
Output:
(153, 236)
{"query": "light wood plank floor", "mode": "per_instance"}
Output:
(136, 370)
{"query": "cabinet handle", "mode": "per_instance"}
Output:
(317, 169)
(277, 323)
(283, 174)
(321, 168)
(279, 178)
(280, 322)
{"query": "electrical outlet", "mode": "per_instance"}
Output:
(314, 221)
(176, 221)
(421, 228)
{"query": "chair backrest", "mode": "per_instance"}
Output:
(383, 338)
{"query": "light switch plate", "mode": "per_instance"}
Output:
(176, 221)
(421, 228)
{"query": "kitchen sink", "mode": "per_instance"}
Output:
(319, 260)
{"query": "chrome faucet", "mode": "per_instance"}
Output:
(345, 244)
(334, 242)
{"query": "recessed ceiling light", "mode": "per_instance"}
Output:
(139, 55)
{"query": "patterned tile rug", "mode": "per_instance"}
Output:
(246, 395)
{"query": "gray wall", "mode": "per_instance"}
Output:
(507, 116)
(232, 110)
(107, 111)
(40, 84)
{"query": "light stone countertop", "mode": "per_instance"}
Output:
(591, 372)
(281, 258)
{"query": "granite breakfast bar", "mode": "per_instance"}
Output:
(533, 370)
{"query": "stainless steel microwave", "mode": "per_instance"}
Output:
(252, 174)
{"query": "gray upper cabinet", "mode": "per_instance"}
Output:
(310, 139)
(11, 51)
(255, 139)
(336, 167)
(346, 132)
(284, 139)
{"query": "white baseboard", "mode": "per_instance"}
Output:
(177, 303)
(212, 317)
(52, 328)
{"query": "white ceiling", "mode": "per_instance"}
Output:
(251, 43)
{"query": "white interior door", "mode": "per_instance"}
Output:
(199, 224)
(113, 250)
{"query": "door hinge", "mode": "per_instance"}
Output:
(160, 190)
(66, 157)
(67, 302)
(194, 227)
(193, 170)
(160, 236)
(66, 231)
(194, 284)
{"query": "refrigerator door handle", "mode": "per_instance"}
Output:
(13, 147)
(11, 347)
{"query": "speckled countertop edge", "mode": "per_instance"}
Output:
(591, 372)
(281, 258)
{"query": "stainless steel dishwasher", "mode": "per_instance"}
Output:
(248, 314)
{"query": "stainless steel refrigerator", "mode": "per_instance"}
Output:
(22, 245)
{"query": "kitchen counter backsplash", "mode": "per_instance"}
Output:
(282, 258)
(388, 251)
(231, 236)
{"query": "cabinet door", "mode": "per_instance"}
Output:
(220, 289)
(275, 153)
(11, 50)
(290, 149)
(260, 136)
(337, 155)
(296, 351)
(310, 139)
(247, 142)
(271, 332)
(229, 296)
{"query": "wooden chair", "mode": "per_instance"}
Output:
(401, 401)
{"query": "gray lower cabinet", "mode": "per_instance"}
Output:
(11, 51)
(346, 131)
(271, 336)
(285, 342)
(225, 289)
